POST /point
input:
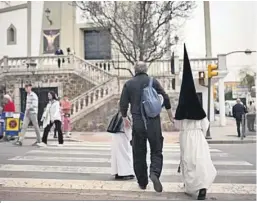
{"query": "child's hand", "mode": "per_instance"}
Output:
(127, 123)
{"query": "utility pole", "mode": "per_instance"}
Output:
(207, 26)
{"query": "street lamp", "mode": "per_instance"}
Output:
(247, 52)
(48, 12)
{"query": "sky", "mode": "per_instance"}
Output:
(233, 28)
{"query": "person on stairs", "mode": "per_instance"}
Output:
(198, 171)
(52, 116)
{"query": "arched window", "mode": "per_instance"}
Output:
(11, 35)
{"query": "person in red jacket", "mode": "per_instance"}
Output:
(8, 104)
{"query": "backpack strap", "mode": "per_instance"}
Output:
(151, 82)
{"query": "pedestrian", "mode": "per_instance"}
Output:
(251, 116)
(31, 113)
(54, 127)
(66, 111)
(8, 104)
(121, 150)
(145, 128)
(59, 52)
(52, 116)
(198, 171)
(238, 111)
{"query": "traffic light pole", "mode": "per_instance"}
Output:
(208, 134)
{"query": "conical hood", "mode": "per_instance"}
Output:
(189, 106)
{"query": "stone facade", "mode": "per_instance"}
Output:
(71, 84)
(98, 120)
(67, 83)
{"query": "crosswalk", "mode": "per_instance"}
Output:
(85, 165)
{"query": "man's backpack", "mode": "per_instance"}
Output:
(151, 105)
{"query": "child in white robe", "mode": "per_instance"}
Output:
(121, 154)
(198, 171)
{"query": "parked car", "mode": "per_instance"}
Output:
(229, 106)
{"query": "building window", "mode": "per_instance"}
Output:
(11, 35)
(97, 44)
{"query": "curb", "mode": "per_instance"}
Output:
(55, 139)
(231, 141)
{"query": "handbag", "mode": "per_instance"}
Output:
(115, 124)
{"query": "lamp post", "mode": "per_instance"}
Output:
(48, 12)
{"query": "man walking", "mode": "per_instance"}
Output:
(251, 116)
(238, 111)
(141, 131)
(30, 115)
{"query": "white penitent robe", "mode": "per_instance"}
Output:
(121, 158)
(198, 171)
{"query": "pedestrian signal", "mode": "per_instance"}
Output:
(201, 77)
(211, 72)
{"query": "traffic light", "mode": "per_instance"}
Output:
(211, 72)
(201, 76)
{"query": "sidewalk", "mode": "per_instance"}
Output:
(220, 135)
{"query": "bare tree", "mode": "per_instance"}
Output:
(7, 3)
(139, 28)
(247, 78)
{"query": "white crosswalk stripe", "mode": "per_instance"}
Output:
(88, 167)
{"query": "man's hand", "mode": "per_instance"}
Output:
(127, 123)
(170, 116)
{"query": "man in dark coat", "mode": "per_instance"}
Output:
(131, 94)
(58, 52)
(238, 111)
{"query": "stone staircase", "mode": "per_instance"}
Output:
(105, 85)
(93, 99)
(107, 82)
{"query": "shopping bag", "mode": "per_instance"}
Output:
(115, 124)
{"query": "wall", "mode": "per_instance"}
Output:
(62, 16)
(68, 84)
(98, 120)
(36, 25)
(19, 19)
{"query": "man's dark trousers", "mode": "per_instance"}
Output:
(238, 122)
(139, 142)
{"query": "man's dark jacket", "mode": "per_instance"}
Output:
(238, 111)
(132, 92)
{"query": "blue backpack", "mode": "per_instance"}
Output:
(151, 105)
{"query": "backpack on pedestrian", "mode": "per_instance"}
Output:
(151, 104)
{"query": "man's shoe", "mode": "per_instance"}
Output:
(34, 144)
(142, 187)
(202, 194)
(156, 183)
(18, 143)
(41, 144)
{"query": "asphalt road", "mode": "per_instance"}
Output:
(30, 173)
